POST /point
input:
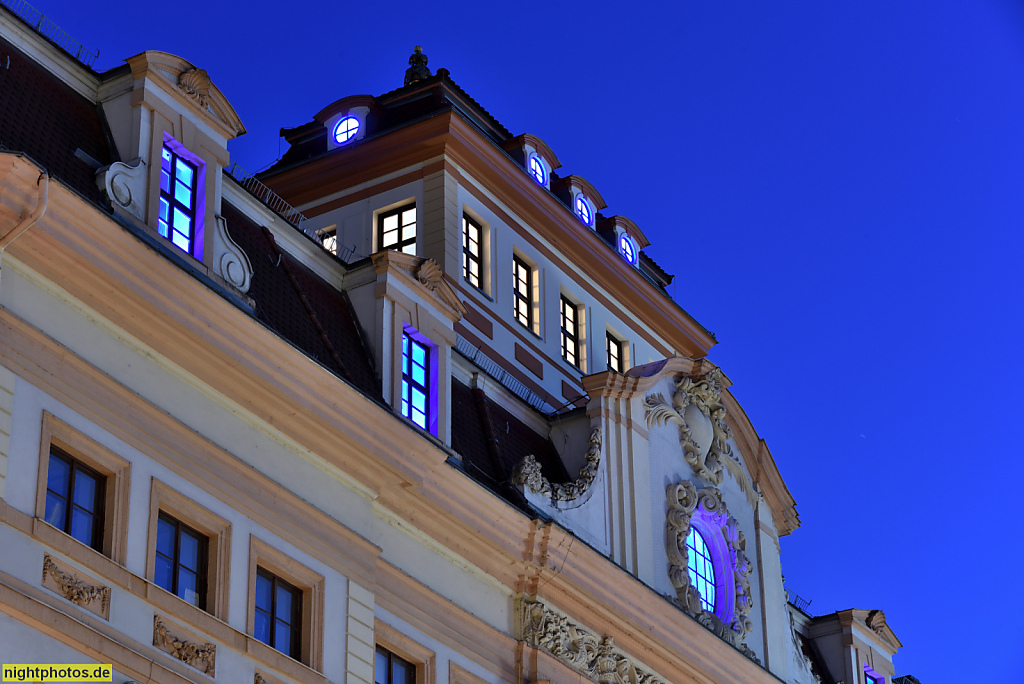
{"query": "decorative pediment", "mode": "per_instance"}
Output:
(594, 657)
(697, 409)
(527, 473)
(423, 274)
(706, 511)
(191, 85)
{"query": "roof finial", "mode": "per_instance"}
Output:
(417, 70)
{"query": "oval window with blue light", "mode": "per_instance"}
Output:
(626, 249)
(583, 209)
(701, 569)
(346, 129)
(537, 170)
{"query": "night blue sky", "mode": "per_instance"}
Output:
(835, 185)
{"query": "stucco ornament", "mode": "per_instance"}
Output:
(74, 589)
(125, 185)
(594, 657)
(200, 656)
(196, 84)
(527, 472)
(730, 620)
(698, 410)
(229, 261)
(429, 274)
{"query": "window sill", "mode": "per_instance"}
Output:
(163, 601)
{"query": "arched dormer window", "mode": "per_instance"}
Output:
(581, 206)
(535, 157)
(535, 165)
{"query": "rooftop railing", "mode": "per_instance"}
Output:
(801, 603)
(268, 197)
(46, 28)
(466, 348)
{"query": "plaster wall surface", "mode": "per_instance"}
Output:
(208, 413)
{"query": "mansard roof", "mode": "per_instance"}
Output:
(59, 128)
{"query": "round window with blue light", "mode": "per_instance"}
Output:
(345, 130)
(627, 249)
(583, 209)
(537, 170)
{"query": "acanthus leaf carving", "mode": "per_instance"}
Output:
(704, 435)
(200, 656)
(684, 502)
(528, 472)
(594, 657)
(74, 589)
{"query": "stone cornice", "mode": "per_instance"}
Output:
(143, 300)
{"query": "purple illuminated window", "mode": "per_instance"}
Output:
(537, 170)
(346, 129)
(178, 185)
(701, 569)
(626, 249)
(583, 209)
(416, 399)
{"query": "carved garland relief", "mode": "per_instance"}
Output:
(594, 657)
(94, 598)
(684, 503)
(527, 472)
(698, 410)
(200, 656)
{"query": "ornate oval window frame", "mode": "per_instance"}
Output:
(706, 511)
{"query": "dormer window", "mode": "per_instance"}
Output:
(345, 130)
(583, 210)
(178, 178)
(627, 248)
(536, 168)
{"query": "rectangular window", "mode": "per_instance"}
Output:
(614, 349)
(181, 560)
(390, 669)
(522, 292)
(570, 331)
(868, 679)
(177, 220)
(415, 381)
(396, 229)
(471, 260)
(75, 494)
(278, 615)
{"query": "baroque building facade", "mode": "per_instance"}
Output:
(407, 407)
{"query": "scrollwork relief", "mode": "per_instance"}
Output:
(230, 262)
(731, 619)
(698, 410)
(125, 186)
(528, 473)
(594, 657)
(200, 656)
(95, 597)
